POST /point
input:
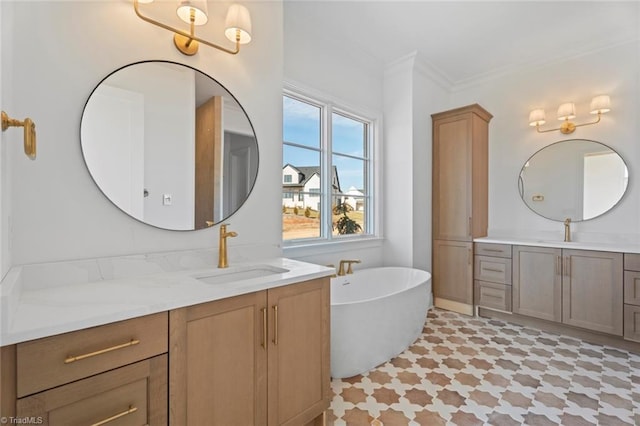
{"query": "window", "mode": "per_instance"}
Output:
(330, 148)
(288, 178)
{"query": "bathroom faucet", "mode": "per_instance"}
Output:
(567, 229)
(222, 246)
(341, 271)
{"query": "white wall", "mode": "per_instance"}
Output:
(8, 138)
(613, 71)
(61, 50)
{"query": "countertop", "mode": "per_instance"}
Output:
(621, 247)
(44, 300)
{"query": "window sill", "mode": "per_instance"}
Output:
(306, 248)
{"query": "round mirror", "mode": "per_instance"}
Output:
(577, 179)
(169, 145)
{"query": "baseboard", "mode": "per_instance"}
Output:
(450, 305)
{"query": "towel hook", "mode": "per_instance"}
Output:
(29, 132)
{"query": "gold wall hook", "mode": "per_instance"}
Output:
(29, 132)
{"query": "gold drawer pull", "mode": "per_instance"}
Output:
(275, 325)
(116, 416)
(492, 250)
(493, 270)
(263, 343)
(71, 359)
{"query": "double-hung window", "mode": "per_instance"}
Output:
(328, 151)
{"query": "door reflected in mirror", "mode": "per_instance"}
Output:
(169, 145)
(576, 179)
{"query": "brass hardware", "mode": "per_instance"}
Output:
(71, 358)
(341, 270)
(558, 265)
(188, 42)
(222, 245)
(493, 270)
(469, 256)
(209, 223)
(275, 324)
(567, 229)
(568, 266)
(568, 127)
(599, 105)
(263, 342)
(493, 250)
(130, 410)
(29, 132)
(470, 227)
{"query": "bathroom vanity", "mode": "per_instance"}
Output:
(584, 287)
(244, 345)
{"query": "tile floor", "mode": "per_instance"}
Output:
(475, 371)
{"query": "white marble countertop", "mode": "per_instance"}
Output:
(622, 247)
(44, 300)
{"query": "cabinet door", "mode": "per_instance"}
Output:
(537, 282)
(453, 271)
(592, 290)
(299, 374)
(132, 395)
(218, 355)
(452, 179)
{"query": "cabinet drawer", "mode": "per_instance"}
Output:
(632, 287)
(632, 322)
(632, 261)
(497, 250)
(53, 361)
(492, 295)
(132, 395)
(493, 269)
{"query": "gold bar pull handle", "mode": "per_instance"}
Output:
(275, 325)
(128, 411)
(263, 343)
(71, 358)
(470, 227)
(558, 265)
(469, 256)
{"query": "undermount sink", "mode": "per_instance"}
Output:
(230, 275)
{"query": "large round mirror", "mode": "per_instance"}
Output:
(576, 179)
(169, 145)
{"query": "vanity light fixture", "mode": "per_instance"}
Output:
(194, 12)
(567, 111)
(29, 132)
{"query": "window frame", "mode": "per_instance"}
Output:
(372, 179)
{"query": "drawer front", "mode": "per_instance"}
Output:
(493, 269)
(492, 295)
(632, 261)
(134, 395)
(632, 323)
(497, 250)
(53, 361)
(632, 287)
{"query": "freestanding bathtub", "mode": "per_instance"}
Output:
(376, 314)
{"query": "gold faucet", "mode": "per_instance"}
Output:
(567, 229)
(222, 246)
(341, 271)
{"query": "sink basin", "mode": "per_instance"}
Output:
(230, 275)
(557, 242)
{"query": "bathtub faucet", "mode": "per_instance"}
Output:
(349, 270)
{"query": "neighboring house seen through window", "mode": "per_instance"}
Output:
(327, 162)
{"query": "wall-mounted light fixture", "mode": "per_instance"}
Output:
(194, 12)
(599, 105)
(29, 132)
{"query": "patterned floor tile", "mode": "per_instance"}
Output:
(476, 371)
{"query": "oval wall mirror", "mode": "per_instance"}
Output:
(577, 179)
(169, 145)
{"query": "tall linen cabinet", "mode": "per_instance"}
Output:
(460, 201)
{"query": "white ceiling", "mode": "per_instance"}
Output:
(465, 41)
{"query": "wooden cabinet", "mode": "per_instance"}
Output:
(537, 282)
(115, 372)
(492, 276)
(255, 359)
(581, 288)
(592, 295)
(460, 181)
(453, 274)
(631, 323)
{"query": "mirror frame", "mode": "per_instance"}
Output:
(521, 182)
(253, 184)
